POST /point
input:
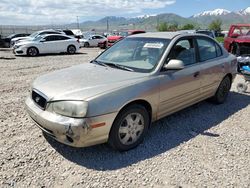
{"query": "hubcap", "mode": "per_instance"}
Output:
(32, 51)
(71, 49)
(131, 128)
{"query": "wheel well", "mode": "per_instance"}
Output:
(230, 77)
(71, 45)
(143, 103)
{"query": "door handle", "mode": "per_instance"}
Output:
(196, 74)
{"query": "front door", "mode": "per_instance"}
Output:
(180, 88)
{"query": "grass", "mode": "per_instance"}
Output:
(220, 39)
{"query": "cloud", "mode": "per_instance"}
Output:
(65, 11)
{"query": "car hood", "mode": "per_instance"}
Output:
(84, 81)
(114, 37)
(25, 42)
(21, 38)
(243, 39)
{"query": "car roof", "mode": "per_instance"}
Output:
(47, 35)
(165, 35)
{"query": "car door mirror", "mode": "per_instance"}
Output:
(174, 64)
(42, 40)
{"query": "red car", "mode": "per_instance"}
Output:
(113, 39)
(238, 39)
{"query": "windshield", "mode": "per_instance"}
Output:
(10, 36)
(38, 38)
(244, 30)
(139, 54)
(34, 34)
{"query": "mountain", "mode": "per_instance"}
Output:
(216, 12)
(245, 11)
(150, 22)
(227, 17)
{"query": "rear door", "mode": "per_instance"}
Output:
(181, 88)
(212, 64)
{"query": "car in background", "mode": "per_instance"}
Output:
(206, 32)
(200, 31)
(113, 39)
(34, 35)
(238, 39)
(93, 40)
(45, 44)
(137, 81)
(8, 39)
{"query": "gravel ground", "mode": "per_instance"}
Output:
(205, 145)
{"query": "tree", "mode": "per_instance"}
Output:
(188, 27)
(167, 27)
(162, 26)
(215, 25)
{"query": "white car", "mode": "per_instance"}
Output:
(92, 41)
(34, 35)
(52, 43)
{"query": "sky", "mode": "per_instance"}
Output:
(40, 12)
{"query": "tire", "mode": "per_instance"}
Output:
(32, 51)
(104, 46)
(222, 91)
(86, 44)
(242, 87)
(129, 128)
(71, 49)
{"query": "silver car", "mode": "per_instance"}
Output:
(139, 80)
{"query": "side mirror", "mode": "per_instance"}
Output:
(174, 64)
(42, 40)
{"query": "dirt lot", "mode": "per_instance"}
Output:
(205, 145)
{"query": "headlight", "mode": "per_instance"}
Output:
(17, 46)
(70, 108)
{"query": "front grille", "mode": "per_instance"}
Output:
(39, 99)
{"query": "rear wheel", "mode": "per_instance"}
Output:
(32, 51)
(129, 128)
(222, 91)
(71, 49)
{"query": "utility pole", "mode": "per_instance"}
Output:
(77, 19)
(107, 24)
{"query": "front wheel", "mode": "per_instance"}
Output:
(32, 51)
(129, 128)
(222, 91)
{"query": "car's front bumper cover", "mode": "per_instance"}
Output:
(76, 132)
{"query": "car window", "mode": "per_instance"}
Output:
(98, 37)
(61, 38)
(207, 49)
(184, 51)
(49, 38)
(68, 32)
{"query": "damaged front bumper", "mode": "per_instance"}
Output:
(76, 132)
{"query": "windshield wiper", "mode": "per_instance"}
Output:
(119, 66)
(99, 63)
